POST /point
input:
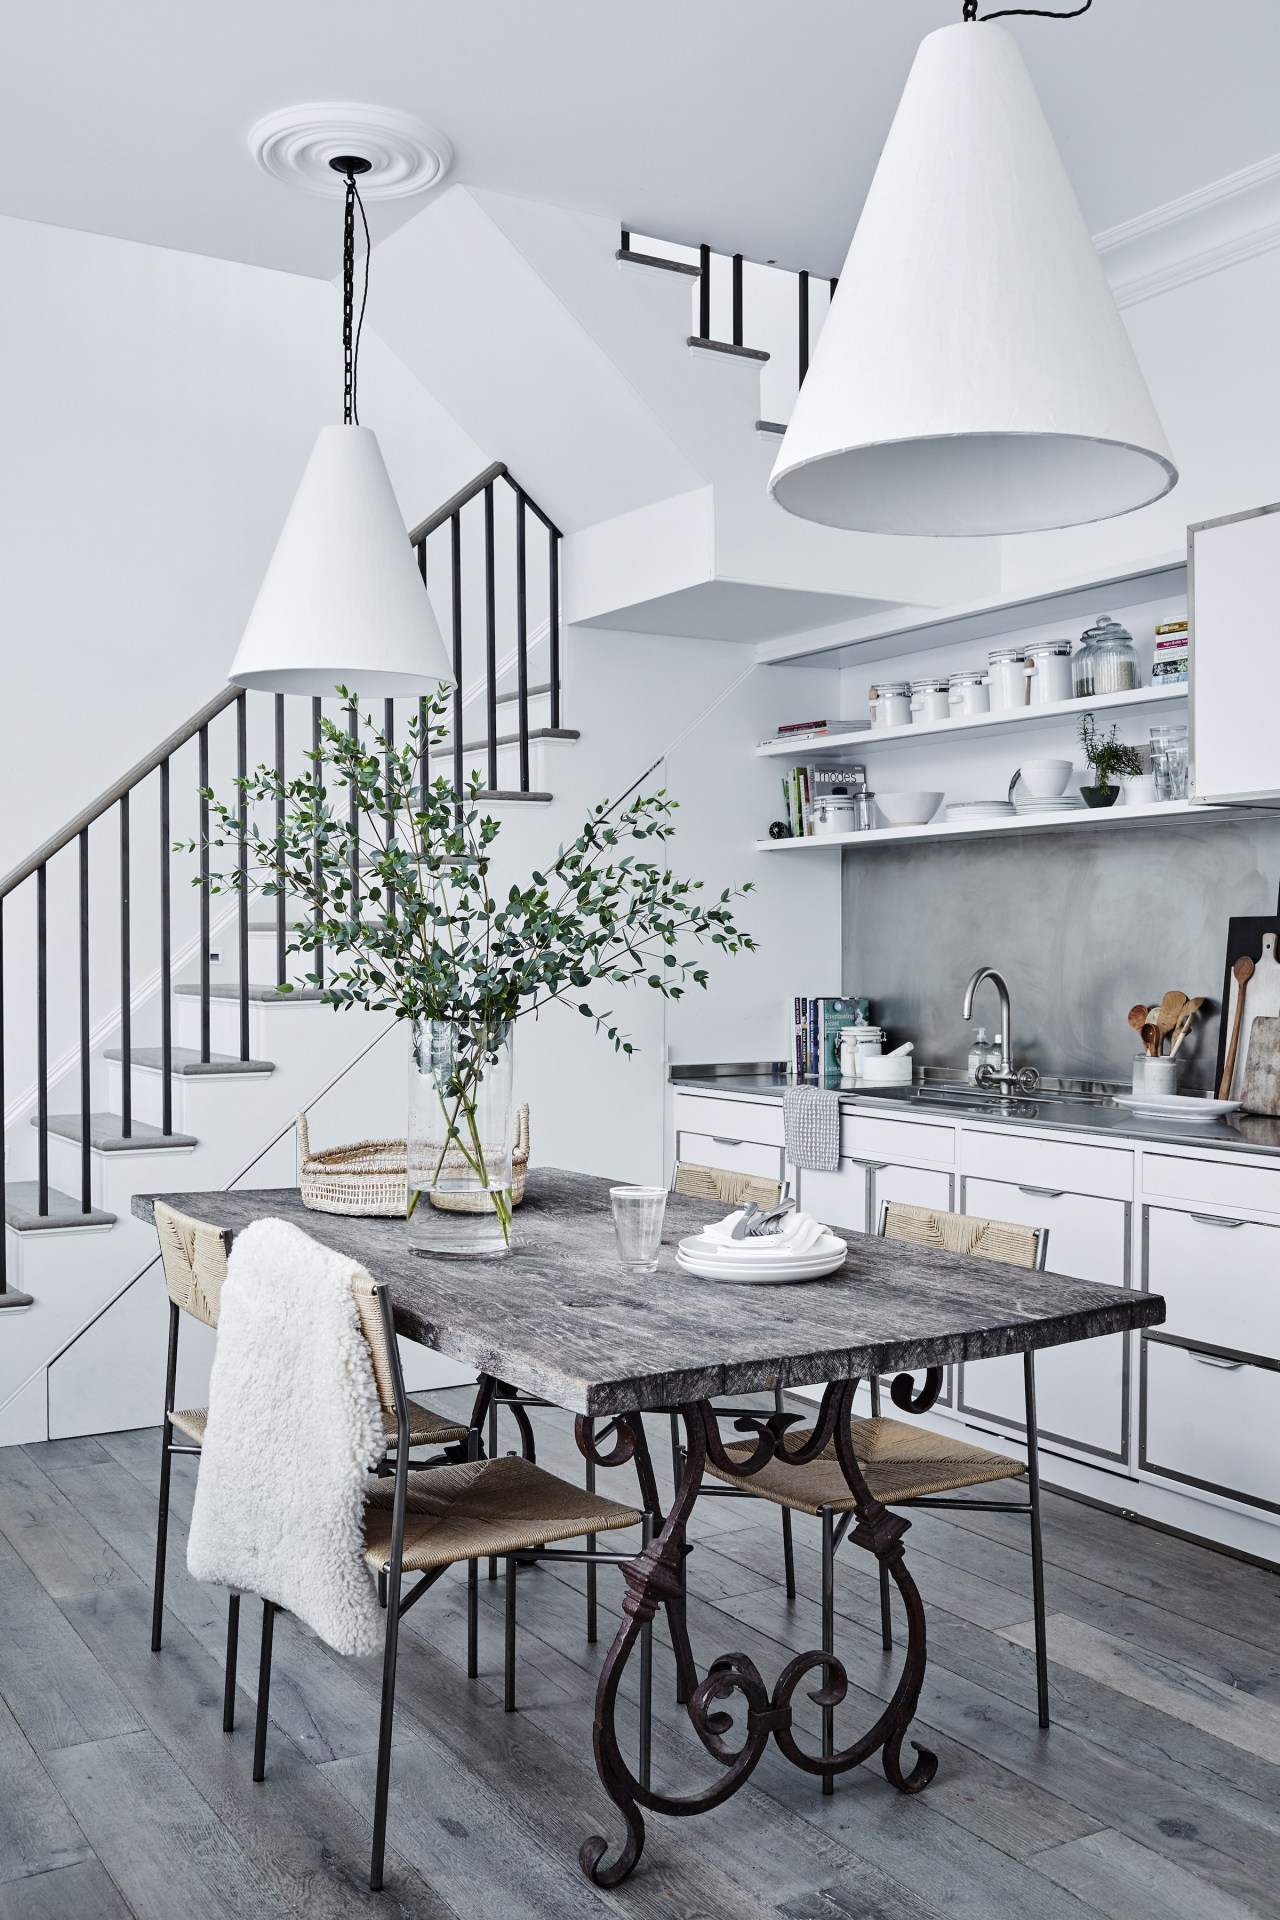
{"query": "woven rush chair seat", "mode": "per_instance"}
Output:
(729, 1189)
(485, 1507)
(1003, 1240)
(426, 1429)
(899, 1462)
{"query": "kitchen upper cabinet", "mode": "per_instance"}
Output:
(1235, 663)
(1081, 1390)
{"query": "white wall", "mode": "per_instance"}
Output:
(158, 410)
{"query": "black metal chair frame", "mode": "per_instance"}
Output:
(397, 1604)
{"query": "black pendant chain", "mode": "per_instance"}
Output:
(1037, 13)
(351, 327)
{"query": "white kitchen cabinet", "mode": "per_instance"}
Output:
(909, 1186)
(839, 1199)
(1210, 1422)
(1232, 569)
(1082, 1390)
(1220, 1277)
(731, 1153)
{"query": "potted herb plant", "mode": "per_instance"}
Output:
(393, 877)
(1108, 756)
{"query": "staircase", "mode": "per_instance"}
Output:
(155, 1034)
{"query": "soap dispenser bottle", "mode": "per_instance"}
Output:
(979, 1054)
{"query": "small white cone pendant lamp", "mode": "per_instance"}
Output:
(973, 375)
(343, 603)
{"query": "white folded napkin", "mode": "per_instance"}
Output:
(800, 1233)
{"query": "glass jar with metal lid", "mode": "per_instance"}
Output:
(1107, 661)
(890, 703)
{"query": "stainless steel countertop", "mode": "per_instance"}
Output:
(1236, 1133)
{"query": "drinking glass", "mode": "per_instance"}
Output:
(1169, 762)
(637, 1222)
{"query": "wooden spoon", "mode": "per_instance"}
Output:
(1243, 974)
(1183, 1027)
(1137, 1018)
(1150, 1038)
(1170, 1007)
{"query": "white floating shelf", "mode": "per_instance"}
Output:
(1005, 719)
(1162, 812)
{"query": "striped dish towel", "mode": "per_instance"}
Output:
(811, 1128)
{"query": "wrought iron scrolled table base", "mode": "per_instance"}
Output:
(653, 1580)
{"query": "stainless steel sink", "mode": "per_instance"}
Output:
(992, 1098)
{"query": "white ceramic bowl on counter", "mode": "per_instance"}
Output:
(884, 1070)
(908, 809)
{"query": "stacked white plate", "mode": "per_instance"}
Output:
(1188, 1108)
(760, 1261)
(1069, 803)
(980, 810)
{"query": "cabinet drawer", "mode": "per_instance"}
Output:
(1082, 1389)
(731, 1119)
(909, 1186)
(1218, 1183)
(1209, 1425)
(839, 1199)
(1220, 1276)
(735, 1156)
(1056, 1164)
(864, 1137)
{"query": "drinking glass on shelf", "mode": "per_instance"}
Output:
(637, 1223)
(1169, 762)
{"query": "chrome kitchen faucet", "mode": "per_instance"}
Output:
(1004, 1076)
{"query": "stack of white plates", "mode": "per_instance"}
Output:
(760, 1261)
(1068, 803)
(980, 810)
(1190, 1108)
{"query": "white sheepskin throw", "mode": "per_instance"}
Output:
(294, 1425)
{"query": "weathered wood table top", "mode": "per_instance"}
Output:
(558, 1317)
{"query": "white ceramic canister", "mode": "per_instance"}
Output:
(856, 1043)
(1007, 678)
(968, 694)
(836, 812)
(930, 699)
(1049, 672)
(890, 703)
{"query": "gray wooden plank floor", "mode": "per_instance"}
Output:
(1155, 1795)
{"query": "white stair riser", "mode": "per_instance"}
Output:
(192, 1094)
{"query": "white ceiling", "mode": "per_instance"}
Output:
(753, 124)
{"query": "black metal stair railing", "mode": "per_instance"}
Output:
(132, 891)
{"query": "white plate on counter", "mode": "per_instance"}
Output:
(712, 1262)
(1188, 1109)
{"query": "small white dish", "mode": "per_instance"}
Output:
(980, 810)
(1190, 1109)
(1068, 804)
(908, 809)
(1045, 779)
(766, 1273)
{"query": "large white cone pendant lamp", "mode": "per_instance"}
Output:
(343, 602)
(973, 375)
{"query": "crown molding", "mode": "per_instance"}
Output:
(1217, 226)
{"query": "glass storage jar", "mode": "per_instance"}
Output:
(1114, 658)
(1169, 762)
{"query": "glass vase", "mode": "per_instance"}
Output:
(459, 1138)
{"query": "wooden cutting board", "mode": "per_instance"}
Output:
(1261, 1002)
(1260, 1088)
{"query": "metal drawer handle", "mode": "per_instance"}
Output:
(718, 1140)
(1045, 1193)
(872, 1166)
(1216, 1360)
(1217, 1220)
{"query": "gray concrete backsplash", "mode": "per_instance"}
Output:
(1082, 924)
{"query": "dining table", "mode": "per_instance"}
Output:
(557, 1319)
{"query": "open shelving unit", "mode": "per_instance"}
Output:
(1087, 819)
(1006, 719)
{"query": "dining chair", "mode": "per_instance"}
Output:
(906, 1464)
(194, 1258)
(422, 1524)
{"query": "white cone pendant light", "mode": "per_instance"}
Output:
(343, 602)
(973, 375)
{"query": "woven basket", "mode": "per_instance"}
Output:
(369, 1177)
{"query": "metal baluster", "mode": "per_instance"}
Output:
(389, 816)
(553, 623)
(42, 1040)
(455, 525)
(126, 1010)
(804, 325)
(737, 299)
(282, 932)
(522, 645)
(353, 817)
(422, 703)
(204, 895)
(704, 293)
(626, 241)
(317, 803)
(166, 962)
(242, 867)
(4, 1192)
(490, 640)
(835, 282)
(86, 1173)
